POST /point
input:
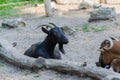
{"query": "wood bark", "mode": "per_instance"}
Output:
(12, 55)
(48, 8)
(102, 1)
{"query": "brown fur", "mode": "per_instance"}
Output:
(110, 57)
(116, 65)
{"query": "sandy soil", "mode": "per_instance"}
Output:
(82, 45)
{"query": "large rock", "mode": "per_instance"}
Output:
(102, 13)
(13, 23)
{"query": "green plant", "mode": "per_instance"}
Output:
(10, 1)
(97, 29)
(1, 64)
(36, 1)
(87, 28)
(37, 75)
(7, 10)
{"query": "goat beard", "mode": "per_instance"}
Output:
(61, 48)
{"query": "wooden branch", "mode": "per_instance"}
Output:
(10, 54)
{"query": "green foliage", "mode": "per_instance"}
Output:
(6, 13)
(98, 29)
(1, 64)
(87, 28)
(7, 10)
(14, 1)
(36, 1)
(10, 1)
(37, 75)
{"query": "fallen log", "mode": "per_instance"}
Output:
(77, 68)
(12, 55)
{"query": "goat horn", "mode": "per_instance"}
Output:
(45, 25)
(111, 44)
(53, 24)
(100, 49)
(113, 38)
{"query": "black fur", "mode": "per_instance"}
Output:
(47, 48)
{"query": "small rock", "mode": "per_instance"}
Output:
(84, 64)
(86, 4)
(67, 30)
(13, 23)
(14, 44)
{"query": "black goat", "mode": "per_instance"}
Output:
(47, 48)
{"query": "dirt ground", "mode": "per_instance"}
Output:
(82, 45)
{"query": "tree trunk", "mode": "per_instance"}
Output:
(102, 1)
(48, 8)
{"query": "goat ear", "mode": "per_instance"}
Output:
(44, 30)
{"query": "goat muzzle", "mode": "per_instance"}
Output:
(64, 41)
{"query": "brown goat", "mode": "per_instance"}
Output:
(110, 49)
(115, 64)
